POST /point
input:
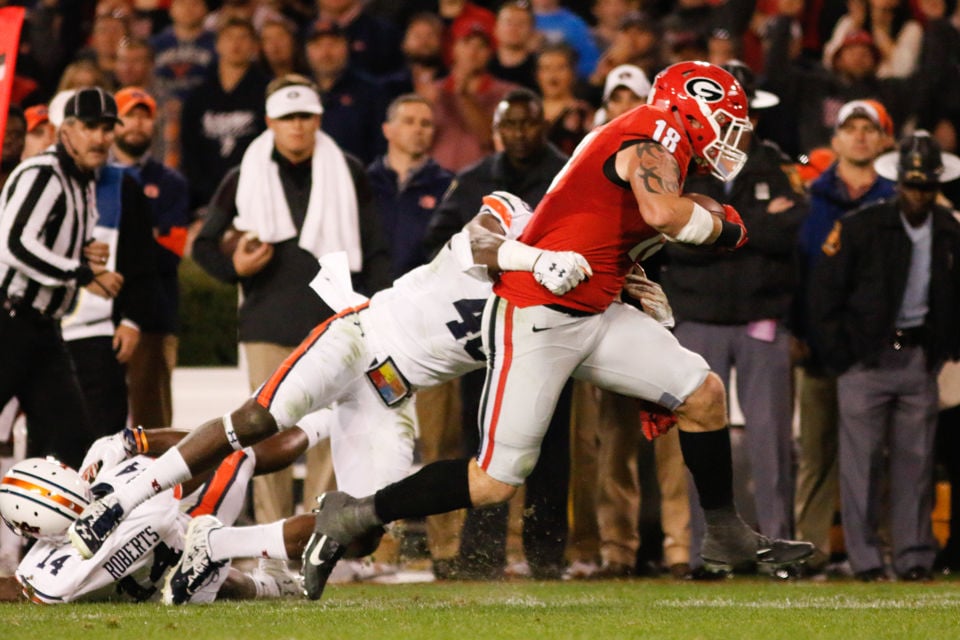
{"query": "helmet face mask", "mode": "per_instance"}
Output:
(40, 498)
(713, 108)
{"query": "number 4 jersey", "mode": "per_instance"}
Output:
(591, 210)
(429, 321)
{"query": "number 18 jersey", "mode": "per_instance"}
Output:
(591, 210)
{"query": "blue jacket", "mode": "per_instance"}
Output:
(405, 212)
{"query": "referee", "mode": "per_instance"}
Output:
(47, 215)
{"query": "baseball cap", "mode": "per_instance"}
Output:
(130, 97)
(869, 109)
(629, 76)
(35, 116)
(297, 98)
(919, 161)
(856, 38)
(57, 105)
(325, 28)
(91, 104)
(465, 29)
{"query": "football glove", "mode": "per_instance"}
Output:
(109, 451)
(655, 420)
(731, 216)
(561, 271)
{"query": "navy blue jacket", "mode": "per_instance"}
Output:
(353, 110)
(405, 211)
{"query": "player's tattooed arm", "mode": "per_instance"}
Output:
(656, 168)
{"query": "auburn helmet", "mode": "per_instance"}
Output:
(40, 497)
(714, 110)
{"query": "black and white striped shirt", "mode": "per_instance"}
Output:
(47, 214)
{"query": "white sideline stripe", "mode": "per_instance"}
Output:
(927, 601)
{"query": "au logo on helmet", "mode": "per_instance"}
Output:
(705, 89)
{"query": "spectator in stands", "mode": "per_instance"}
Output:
(184, 52)
(462, 16)
(224, 114)
(896, 35)
(568, 117)
(108, 30)
(423, 63)
(40, 131)
(559, 24)
(352, 102)
(885, 305)
(135, 68)
(609, 15)
(814, 97)
(514, 59)
(636, 42)
(280, 50)
(82, 73)
(374, 44)
(464, 102)
(407, 183)
(850, 183)
(150, 368)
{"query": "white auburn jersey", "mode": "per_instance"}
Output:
(429, 320)
(129, 564)
(132, 561)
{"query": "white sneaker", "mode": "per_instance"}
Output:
(195, 568)
(275, 580)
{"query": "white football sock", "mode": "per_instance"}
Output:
(259, 541)
(167, 471)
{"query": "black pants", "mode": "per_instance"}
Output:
(484, 536)
(36, 369)
(102, 382)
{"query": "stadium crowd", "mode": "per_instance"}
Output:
(426, 106)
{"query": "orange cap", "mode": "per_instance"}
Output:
(131, 97)
(36, 115)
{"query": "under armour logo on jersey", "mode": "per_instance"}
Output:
(705, 89)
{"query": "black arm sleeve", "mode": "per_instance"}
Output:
(136, 258)
(376, 252)
(220, 215)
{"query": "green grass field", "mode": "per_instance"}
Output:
(740, 608)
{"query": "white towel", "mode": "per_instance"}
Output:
(332, 220)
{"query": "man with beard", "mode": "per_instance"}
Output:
(151, 366)
(421, 54)
(42, 267)
(525, 167)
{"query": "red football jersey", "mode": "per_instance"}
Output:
(590, 210)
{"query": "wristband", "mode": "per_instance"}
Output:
(730, 233)
(135, 441)
(698, 229)
(516, 256)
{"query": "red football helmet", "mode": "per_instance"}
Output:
(714, 110)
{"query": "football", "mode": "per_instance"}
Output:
(230, 240)
(706, 202)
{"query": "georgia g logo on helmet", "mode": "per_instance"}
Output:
(705, 89)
